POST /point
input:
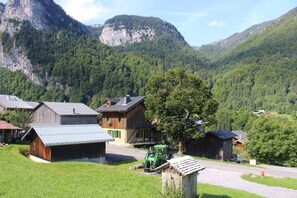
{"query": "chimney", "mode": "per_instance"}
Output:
(73, 110)
(126, 99)
(8, 97)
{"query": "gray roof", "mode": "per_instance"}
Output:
(33, 104)
(121, 104)
(13, 102)
(184, 165)
(240, 135)
(56, 135)
(223, 134)
(67, 108)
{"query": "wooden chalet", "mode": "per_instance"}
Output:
(8, 102)
(239, 140)
(68, 142)
(215, 145)
(124, 120)
(9, 133)
(64, 113)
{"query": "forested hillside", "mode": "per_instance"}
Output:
(74, 65)
(261, 72)
(85, 70)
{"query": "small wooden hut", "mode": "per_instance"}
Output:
(181, 174)
(8, 132)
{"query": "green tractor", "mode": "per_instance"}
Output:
(156, 156)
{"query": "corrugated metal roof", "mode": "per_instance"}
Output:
(55, 135)
(67, 108)
(13, 102)
(120, 105)
(222, 134)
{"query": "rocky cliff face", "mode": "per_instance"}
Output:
(43, 15)
(127, 29)
(122, 36)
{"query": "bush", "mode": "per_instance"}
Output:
(24, 152)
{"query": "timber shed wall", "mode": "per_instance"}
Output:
(78, 151)
(113, 122)
(136, 118)
(38, 149)
(45, 115)
(78, 119)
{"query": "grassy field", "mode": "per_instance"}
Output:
(271, 181)
(20, 177)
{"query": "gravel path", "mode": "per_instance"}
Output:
(221, 174)
(233, 180)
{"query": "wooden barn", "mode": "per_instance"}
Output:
(64, 113)
(9, 133)
(215, 145)
(181, 174)
(8, 103)
(124, 120)
(68, 142)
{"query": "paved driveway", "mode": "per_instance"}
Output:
(221, 174)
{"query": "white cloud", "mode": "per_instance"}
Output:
(216, 23)
(84, 10)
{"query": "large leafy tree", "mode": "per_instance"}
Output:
(273, 141)
(177, 100)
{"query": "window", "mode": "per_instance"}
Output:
(119, 119)
(116, 134)
(108, 119)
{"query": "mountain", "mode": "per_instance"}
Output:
(42, 15)
(217, 49)
(260, 72)
(68, 60)
(126, 29)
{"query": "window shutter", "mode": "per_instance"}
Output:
(119, 134)
(114, 134)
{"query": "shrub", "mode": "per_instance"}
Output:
(24, 152)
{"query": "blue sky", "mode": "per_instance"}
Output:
(199, 21)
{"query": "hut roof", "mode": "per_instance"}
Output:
(55, 135)
(6, 126)
(184, 165)
(120, 104)
(223, 134)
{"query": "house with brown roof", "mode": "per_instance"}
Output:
(124, 119)
(8, 132)
(239, 140)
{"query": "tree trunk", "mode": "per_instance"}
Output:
(180, 147)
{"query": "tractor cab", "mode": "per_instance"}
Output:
(156, 156)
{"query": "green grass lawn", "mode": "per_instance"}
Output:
(20, 177)
(272, 181)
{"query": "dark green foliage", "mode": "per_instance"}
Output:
(273, 141)
(24, 151)
(178, 99)
(261, 72)
(16, 83)
(19, 118)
